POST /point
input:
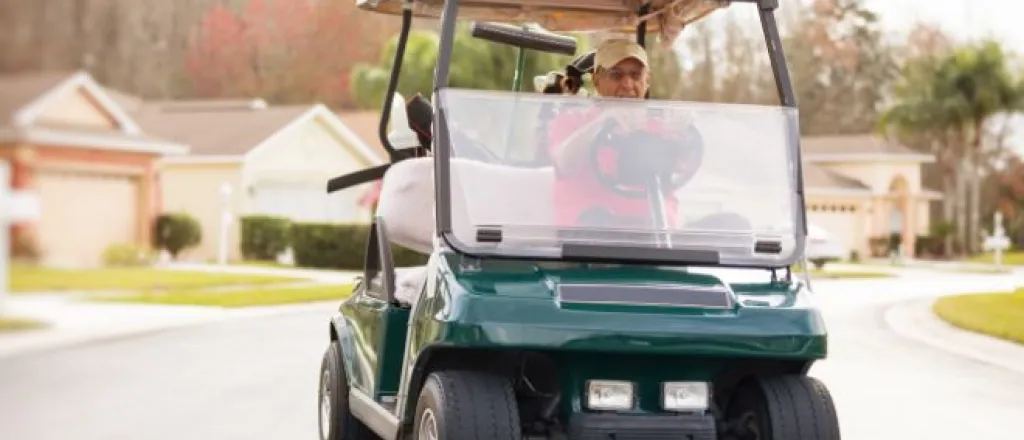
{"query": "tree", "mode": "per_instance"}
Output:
(950, 100)
(477, 64)
(285, 51)
(841, 65)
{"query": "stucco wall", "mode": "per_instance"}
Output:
(76, 109)
(195, 188)
(309, 155)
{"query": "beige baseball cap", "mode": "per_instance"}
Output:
(611, 52)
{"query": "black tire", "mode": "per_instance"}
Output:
(783, 408)
(468, 405)
(334, 385)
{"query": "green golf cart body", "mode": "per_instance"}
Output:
(518, 327)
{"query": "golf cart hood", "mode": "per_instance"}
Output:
(730, 199)
(565, 306)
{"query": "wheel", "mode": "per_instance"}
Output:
(783, 408)
(819, 263)
(336, 421)
(466, 405)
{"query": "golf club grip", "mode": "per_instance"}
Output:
(525, 38)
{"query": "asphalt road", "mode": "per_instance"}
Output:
(255, 379)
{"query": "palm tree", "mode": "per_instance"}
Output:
(981, 86)
(949, 101)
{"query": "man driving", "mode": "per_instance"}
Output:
(621, 70)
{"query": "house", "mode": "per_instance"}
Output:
(253, 158)
(863, 188)
(88, 161)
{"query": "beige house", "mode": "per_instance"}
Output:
(864, 187)
(248, 157)
(86, 159)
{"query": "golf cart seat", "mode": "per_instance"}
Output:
(406, 204)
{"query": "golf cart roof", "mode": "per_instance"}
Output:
(564, 15)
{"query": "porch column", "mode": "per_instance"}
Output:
(146, 211)
(22, 178)
(909, 225)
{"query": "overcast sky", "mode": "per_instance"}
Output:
(1003, 19)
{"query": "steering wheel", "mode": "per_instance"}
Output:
(641, 155)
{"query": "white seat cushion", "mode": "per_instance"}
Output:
(406, 203)
(483, 194)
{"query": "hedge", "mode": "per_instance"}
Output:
(341, 246)
(264, 237)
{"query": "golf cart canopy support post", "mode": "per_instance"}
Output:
(449, 15)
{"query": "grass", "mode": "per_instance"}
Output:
(826, 273)
(844, 274)
(40, 279)
(13, 324)
(1011, 258)
(260, 296)
(996, 314)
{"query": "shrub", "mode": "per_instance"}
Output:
(264, 237)
(125, 255)
(25, 249)
(176, 232)
(341, 246)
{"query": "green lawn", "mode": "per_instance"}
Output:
(1012, 258)
(259, 296)
(39, 279)
(995, 314)
(13, 324)
(840, 274)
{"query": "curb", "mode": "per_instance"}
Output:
(914, 320)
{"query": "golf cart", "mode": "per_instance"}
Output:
(526, 325)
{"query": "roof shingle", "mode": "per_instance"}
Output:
(817, 177)
(21, 89)
(210, 129)
(853, 144)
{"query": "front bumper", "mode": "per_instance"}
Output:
(603, 426)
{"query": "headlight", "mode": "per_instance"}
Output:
(609, 395)
(685, 396)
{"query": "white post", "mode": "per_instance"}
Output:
(999, 233)
(225, 223)
(14, 206)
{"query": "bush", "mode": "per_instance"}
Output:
(176, 232)
(264, 237)
(125, 255)
(341, 246)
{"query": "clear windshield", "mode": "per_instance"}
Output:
(548, 175)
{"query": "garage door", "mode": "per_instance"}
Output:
(307, 203)
(841, 225)
(83, 213)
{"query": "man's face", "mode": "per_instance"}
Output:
(627, 79)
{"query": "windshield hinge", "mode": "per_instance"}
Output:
(490, 234)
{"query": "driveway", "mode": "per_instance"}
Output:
(255, 378)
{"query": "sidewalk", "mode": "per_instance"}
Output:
(915, 320)
(319, 275)
(72, 322)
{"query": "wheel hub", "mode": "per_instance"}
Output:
(428, 426)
